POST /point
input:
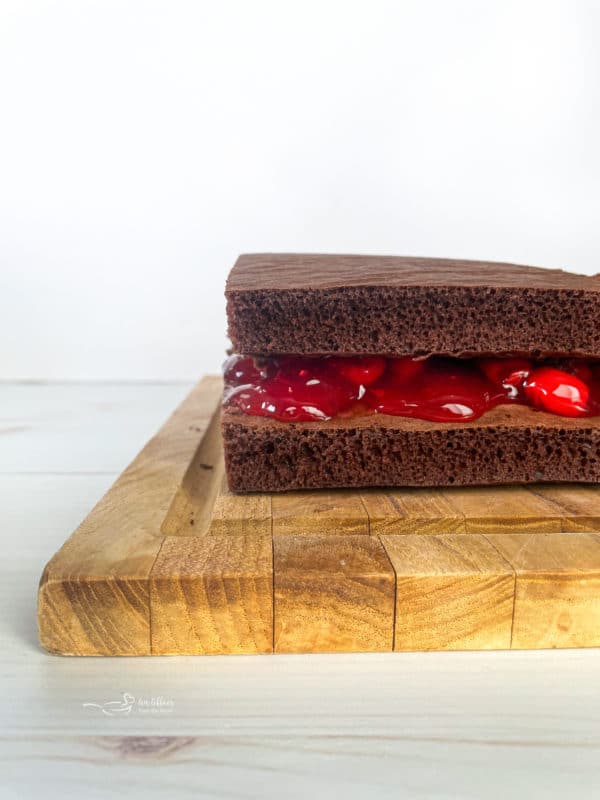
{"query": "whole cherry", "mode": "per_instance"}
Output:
(242, 369)
(557, 391)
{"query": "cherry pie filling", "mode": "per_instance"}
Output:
(299, 389)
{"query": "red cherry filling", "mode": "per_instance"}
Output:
(241, 369)
(577, 367)
(293, 390)
(362, 371)
(442, 391)
(557, 391)
(405, 369)
(297, 388)
(508, 373)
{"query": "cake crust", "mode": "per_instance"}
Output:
(255, 271)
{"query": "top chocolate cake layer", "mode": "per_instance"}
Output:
(351, 305)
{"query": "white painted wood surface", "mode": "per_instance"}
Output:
(448, 725)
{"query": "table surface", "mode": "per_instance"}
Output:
(418, 725)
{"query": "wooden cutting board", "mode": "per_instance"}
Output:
(170, 562)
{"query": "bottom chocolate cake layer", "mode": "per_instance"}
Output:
(509, 444)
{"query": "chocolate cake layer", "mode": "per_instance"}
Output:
(509, 444)
(375, 305)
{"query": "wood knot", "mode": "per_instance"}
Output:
(564, 621)
(144, 747)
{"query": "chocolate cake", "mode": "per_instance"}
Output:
(376, 371)
(351, 305)
(510, 444)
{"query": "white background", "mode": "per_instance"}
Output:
(143, 145)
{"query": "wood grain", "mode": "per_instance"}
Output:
(190, 512)
(557, 598)
(453, 592)
(322, 513)
(332, 594)
(213, 594)
(578, 505)
(492, 509)
(240, 513)
(93, 597)
(411, 511)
